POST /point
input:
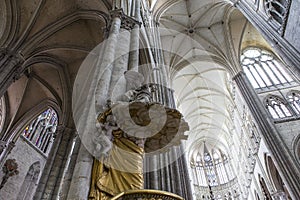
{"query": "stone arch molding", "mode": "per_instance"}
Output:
(15, 131)
(296, 148)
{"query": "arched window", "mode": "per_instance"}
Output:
(293, 98)
(29, 184)
(211, 166)
(277, 108)
(41, 130)
(212, 173)
(2, 113)
(263, 70)
(281, 191)
(278, 11)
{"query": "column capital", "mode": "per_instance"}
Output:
(127, 22)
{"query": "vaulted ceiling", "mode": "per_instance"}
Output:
(201, 39)
(53, 37)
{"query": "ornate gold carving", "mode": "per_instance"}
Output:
(146, 195)
(122, 168)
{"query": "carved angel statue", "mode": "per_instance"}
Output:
(103, 139)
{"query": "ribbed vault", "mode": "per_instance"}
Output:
(53, 37)
(201, 40)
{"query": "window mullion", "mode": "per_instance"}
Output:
(280, 71)
(262, 67)
(255, 78)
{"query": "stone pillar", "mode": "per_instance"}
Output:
(169, 172)
(68, 164)
(10, 68)
(5, 149)
(107, 59)
(118, 83)
(48, 179)
(282, 157)
(134, 40)
(80, 184)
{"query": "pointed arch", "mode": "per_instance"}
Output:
(277, 107)
(293, 98)
(31, 114)
(265, 191)
(30, 181)
(40, 131)
(264, 70)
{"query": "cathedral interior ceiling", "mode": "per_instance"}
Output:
(199, 73)
(203, 40)
(55, 36)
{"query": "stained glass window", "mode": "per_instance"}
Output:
(41, 130)
(211, 167)
(263, 70)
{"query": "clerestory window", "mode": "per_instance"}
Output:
(277, 10)
(263, 70)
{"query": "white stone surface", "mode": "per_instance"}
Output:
(25, 156)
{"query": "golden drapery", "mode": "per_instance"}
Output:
(121, 171)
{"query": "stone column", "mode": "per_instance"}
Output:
(48, 166)
(171, 173)
(107, 59)
(80, 184)
(134, 40)
(118, 83)
(68, 164)
(10, 68)
(282, 157)
(5, 149)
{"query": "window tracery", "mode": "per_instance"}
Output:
(40, 131)
(263, 70)
(293, 98)
(212, 172)
(278, 10)
(277, 107)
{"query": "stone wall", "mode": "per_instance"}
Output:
(26, 155)
(292, 30)
(289, 132)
